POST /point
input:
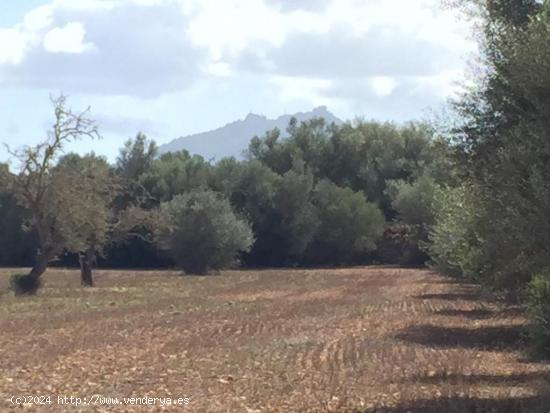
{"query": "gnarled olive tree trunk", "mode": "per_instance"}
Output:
(29, 283)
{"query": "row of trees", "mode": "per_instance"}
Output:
(494, 228)
(325, 195)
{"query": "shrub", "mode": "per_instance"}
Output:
(22, 284)
(413, 202)
(539, 304)
(404, 241)
(349, 225)
(454, 248)
(201, 232)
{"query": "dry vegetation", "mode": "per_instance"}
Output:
(358, 340)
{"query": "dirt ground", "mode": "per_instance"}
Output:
(337, 340)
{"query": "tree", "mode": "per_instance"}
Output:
(136, 157)
(413, 203)
(201, 232)
(88, 219)
(364, 156)
(503, 142)
(405, 237)
(38, 188)
(135, 160)
(299, 217)
(174, 174)
(349, 225)
(454, 241)
(251, 188)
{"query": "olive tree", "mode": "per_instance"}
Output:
(47, 195)
(86, 188)
(349, 225)
(201, 232)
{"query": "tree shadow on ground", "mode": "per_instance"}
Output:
(466, 296)
(531, 379)
(527, 404)
(486, 337)
(482, 313)
(475, 314)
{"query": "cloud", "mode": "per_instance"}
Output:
(303, 89)
(331, 52)
(386, 51)
(12, 47)
(295, 5)
(66, 39)
(127, 125)
(340, 53)
(383, 85)
(129, 48)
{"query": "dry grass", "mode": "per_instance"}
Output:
(357, 340)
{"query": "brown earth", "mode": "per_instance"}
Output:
(336, 340)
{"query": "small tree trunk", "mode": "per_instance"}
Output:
(39, 266)
(86, 260)
(30, 283)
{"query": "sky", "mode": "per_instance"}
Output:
(170, 68)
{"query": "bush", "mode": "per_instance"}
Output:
(404, 241)
(539, 304)
(201, 232)
(454, 248)
(349, 226)
(22, 284)
(413, 202)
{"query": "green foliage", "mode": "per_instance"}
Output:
(369, 156)
(380, 160)
(363, 157)
(23, 284)
(404, 240)
(298, 215)
(136, 157)
(414, 201)
(454, 247)
(312, 198)
(17, 242)
(504, 144)
(539, 304)
(83, 192)
(349, 225)
(201, 232)
(174, 174)
(252, 188)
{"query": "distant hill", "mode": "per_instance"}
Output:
(233, 138)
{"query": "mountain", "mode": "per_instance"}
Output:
(233, 138)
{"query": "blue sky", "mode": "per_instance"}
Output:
(11, 12)
(174, 67)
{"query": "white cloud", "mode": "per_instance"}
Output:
(383, 85)
(16, 41)
(39, 18)
(303, 89)
(325, 52)
(218, 69)
(132, 47)
(228, 27)
(66, 39)
(12, 46)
